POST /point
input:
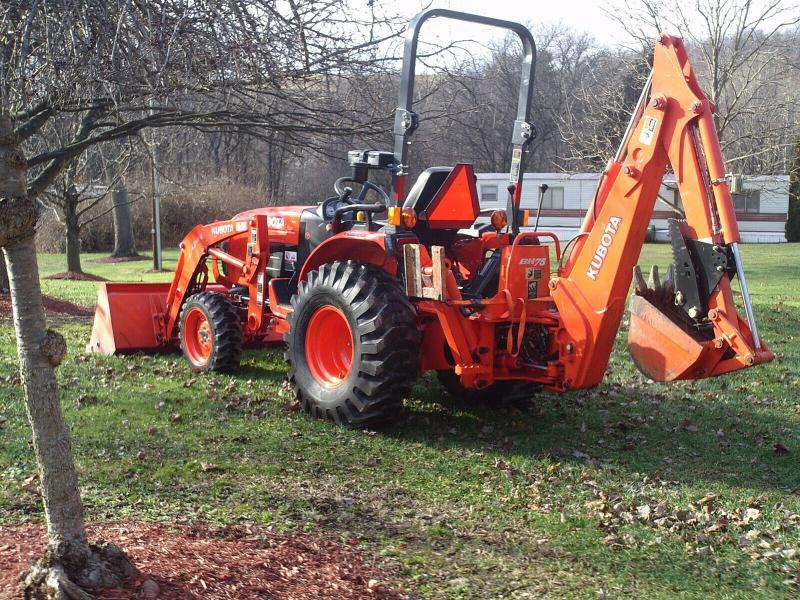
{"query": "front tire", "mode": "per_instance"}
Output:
(353, 344)
(211, 332)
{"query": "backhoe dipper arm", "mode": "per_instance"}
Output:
(672, 125)
(406, 120)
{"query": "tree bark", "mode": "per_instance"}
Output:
(51, 440)
(69, 557)
(124, 241)
(72, 230)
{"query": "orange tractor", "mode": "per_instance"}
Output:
(365, 304)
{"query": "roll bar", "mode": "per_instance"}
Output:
(406, 120)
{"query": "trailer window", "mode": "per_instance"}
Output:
(553, 198)
(747, 201)
(488, 193)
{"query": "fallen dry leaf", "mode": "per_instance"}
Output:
(31, 484)
(779, 449)
(751, 514)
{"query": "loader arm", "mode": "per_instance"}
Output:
(671, 126)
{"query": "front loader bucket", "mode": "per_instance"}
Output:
(661, 348)
(129, 317)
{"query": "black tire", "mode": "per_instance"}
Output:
(385, 344)
(500, 392)
(225, 337)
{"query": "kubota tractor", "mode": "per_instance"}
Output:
(365, 305)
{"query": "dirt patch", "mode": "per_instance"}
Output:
(200, 562)
(53, 306)
(74, 276)
(119, 259)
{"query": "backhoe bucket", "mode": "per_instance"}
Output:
(129, 317)
(661, 348)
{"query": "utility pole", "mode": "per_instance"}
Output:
(156, 191)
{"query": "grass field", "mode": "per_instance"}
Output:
(633, 489)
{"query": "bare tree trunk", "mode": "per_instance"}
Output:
(124, 241)
(72, 230)
(69, 557)
(51, 440)
(4, 289)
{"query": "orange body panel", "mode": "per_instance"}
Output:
(360, 245)
(283, 222)
(128, 316)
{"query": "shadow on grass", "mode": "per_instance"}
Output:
(691, 433)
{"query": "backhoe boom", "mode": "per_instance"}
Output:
(671, 126)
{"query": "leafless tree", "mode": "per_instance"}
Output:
(597, 101)
(118, 68)
(79, 196)
(743, 52)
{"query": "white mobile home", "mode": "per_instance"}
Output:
(761, 208)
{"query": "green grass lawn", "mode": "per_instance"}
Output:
(460, 501)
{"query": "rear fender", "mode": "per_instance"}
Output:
(360, 246)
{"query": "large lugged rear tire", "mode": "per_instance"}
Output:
(211, 332)
(353, 344)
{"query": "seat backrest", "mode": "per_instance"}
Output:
(445, 200)
(428, 183)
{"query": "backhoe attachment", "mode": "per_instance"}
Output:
(675, 333)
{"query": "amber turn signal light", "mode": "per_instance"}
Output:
(409, 217)
(499, 219)
(394, 215)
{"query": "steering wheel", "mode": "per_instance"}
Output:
(345, 192)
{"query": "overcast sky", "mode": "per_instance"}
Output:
(580, 15)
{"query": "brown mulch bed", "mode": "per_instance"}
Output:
(51, 306)
(200, 562)
(75, 276)
(119, 259)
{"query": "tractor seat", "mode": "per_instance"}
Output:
(445, 200)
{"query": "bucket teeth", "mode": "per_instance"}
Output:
(654, 283)
(669, 282)
(639, 284)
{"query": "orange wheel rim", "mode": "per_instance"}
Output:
(198, 337)
(329, 346)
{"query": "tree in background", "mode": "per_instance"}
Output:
(793, 222)
(4, 289)
(744, 53)
(245, 68)
(78, 197)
